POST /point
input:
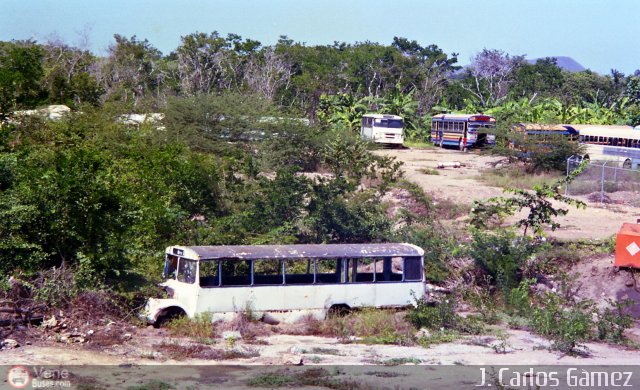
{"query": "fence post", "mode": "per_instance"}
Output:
(566, 179)
(602, 184)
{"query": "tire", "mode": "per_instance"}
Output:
(338, 310)
(168, 315)
(626, 164)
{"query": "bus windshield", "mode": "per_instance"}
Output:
(389, 123)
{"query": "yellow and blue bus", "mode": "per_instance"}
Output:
(463, 130)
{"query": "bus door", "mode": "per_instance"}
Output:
(465, 126)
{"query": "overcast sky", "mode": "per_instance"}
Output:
(600, 35)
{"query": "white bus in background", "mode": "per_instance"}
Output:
(617, 144)
(287, 282)
(383, 129)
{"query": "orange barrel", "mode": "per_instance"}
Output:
(628, 246)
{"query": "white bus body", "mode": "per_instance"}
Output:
(357, 281)
(617, 144)
(382, 129)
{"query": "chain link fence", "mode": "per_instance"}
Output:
(605, 182)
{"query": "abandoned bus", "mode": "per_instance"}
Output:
(463, 131)
(618, 144)
(382, 129)
(287, 282)
(525, 138)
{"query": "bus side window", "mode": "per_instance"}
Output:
(412, 269)
(209, 273)
(267, 272)
(328, 271)
(363, 270)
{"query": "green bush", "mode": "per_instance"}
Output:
(501, 255)
(567, 327)
(614, 320)
(441, 315)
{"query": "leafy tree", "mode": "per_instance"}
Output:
(68, 77)
(586, 87)
(131, 71)
(540, 79)
(429, 68)
(541, 211)
(21, 74)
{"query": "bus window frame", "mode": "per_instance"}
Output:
(344, 271)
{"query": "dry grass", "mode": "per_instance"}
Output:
(516, 177)
(247, 325)
(373, 326)
(179, 351)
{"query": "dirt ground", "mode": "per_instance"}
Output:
(597, 221)
(595, 279)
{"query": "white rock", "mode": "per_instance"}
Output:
(10, 344)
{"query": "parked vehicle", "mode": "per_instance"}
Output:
(383, 129)
(462, 130)
(287, 281)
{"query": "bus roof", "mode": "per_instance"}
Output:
(382, 116)
(606, 131)
(247, 252)
(466, 117)
(541, 128)
(602, 128)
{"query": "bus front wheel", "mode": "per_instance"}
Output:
(339, 310)
(626, 164)
(168, 315)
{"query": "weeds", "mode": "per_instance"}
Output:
(153, 385)
(372, 326)
(401, 361)
(199, 327)
(316, 377)
(179, 351)
(567, 327)
(516, 177)
(429, 171)
(614, 320)
(440, 336)
(441, 315)
(501, 255)
(502, 345)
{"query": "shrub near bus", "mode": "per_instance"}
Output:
(288, 281)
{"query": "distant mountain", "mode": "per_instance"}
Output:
(566, 63)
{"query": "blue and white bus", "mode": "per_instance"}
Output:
(463, 130)
(619, 144)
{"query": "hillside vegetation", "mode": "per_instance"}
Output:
(259, 145)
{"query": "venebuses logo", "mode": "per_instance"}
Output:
(18, 377)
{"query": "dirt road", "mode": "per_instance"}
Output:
(462, 185)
